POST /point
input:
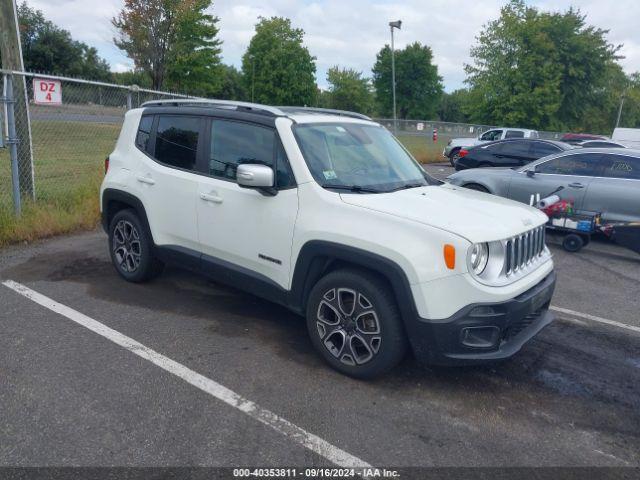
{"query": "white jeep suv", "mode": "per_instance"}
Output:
(326, 213)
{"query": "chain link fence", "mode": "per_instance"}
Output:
(418, 135)
(59, 148)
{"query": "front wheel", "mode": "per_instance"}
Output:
(355, 324)
(454, 157)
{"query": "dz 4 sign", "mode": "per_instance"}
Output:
(47, 92)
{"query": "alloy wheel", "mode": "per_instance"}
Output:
(348, 326)
(126, 246)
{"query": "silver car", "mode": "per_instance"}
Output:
(605, 180)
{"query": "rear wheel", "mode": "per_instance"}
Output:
(476, 187)
(131, 248)
(354, 323)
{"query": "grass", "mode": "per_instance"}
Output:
(68, 163)
(68, 167)
(423, 148)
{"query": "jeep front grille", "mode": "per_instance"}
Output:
(522, 250)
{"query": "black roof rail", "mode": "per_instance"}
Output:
(326, 111)
(226, 104)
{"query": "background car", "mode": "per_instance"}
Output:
(508, 153)
(599, 180)
(605, 143)
(454, 145)
(629, 137)
(580, 137)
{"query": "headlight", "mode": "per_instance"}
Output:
(478, 257)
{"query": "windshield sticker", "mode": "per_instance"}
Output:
(329, 174)
(340, 129)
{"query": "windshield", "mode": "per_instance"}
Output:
(360, 158)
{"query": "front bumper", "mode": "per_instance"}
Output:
(484, 332)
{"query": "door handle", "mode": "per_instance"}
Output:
(576, 185)
(211, 197)
(147, 180)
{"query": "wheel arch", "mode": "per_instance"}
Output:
(318, 257)
(115, 200)
(480, 184)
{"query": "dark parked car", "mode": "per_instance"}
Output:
(508, 153)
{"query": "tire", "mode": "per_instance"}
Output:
(476, 187)
(363, 339)
(453, 157)
(485, 165)
(572, 242)
(131, 248)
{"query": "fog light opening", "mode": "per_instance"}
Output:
(480, 337)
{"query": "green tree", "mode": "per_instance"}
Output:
(453, 106)
(418, 85)
(231, 85)
(194, 62)
(537, 69)
(48, 48)
(278, 69)
(170, 40)
(348, 90)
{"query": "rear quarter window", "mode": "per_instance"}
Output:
(621, 166)
(144, 133)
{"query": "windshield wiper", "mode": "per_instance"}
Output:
(408, 185)
(353, 188)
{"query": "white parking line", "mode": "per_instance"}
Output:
(593, 318)
(293, 432)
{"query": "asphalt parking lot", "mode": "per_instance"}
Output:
(73, 392)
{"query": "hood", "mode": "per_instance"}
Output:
(476, 173)
(476, 216)
(465, 142)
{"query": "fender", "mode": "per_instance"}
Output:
(316, 256)
(112, 197)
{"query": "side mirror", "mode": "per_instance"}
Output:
(255, 175)
(531, 172)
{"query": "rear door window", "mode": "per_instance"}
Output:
(514, 134)
(585, 165)
(515, 149)
(621, 166)
(176, 143)
(542, 149)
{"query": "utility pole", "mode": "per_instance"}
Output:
(397, 24)
(253, 77)
(620, 108)
(11, 51)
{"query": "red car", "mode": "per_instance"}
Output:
(579, 137)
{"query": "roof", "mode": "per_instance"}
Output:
(562, 145)
(302, 114)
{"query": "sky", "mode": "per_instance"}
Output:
(349, 33)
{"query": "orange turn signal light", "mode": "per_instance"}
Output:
(449, 256)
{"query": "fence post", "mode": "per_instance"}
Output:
(12, 141)
(129, 100)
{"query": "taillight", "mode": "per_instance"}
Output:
(106, 165)
(462, 153)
